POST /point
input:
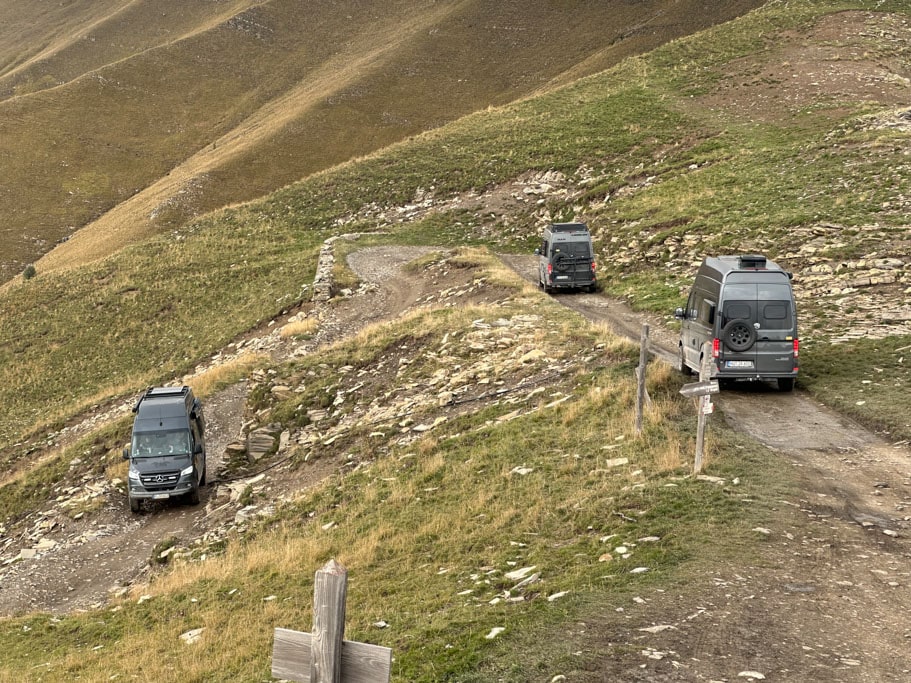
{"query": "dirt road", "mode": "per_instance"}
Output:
(829, 600)
(80, 563)
(826, 601)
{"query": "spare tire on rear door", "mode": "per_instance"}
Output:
(738, 335)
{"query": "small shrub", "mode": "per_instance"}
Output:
(158, 556)
(29, 272)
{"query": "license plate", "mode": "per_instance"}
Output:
(160, 496)
(738, 363)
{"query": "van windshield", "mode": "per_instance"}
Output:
(152, 444)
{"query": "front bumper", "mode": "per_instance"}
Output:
(184, 486)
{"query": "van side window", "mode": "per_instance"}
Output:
(691, 311)
(707, 312)
(544, 246)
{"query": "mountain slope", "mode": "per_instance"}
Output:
(237, 99)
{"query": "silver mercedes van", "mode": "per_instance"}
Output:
(566, 258)
(744, 306)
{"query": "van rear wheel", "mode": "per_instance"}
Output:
(785, 384)
(682, 366)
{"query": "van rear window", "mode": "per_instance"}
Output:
(772, 315)
(775, 315)
(574, 249)
(736, 310)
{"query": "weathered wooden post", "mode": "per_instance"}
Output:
(329, 592)
(702, 391)
(640, 376)
(705, 401)
(323, 656)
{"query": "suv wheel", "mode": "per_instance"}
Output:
(738, 335)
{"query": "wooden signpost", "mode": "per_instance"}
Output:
(323, 656)
(702, 390)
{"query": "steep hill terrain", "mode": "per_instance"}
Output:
(462, 442)
(133, 117)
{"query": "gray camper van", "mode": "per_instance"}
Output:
(566, 259)
(744, 306)
(167, 452)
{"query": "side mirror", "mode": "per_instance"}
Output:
(198, 449)
(680, 313)
(126, 453)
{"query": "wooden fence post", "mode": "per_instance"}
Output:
(330, 589)
(323, 657)
(640, 376)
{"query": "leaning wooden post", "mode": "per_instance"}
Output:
(705, 374)
(640, 376)
(329, 593)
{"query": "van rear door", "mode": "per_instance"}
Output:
(768, 349)
(777, 330)
(737, 355)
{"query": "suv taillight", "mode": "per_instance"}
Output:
(716, 347)
(550, 268)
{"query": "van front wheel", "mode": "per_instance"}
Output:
(193, 497)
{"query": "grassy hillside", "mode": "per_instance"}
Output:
(550, 475)
(662, 168)
(134, 117)
(704, 145)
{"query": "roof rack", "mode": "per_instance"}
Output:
(159, 392)
(752, 261)
(568, 227)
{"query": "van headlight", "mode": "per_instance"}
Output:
(133, 474)
(186, 471)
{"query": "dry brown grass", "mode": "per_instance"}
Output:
(215, 378)
(301, 328)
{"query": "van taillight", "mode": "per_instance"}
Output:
(796, 348)
(550, 268)
(716, 347)
(593, 266)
